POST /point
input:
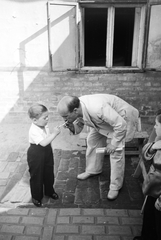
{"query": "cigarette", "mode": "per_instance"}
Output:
(62, 124)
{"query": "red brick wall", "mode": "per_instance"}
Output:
(142, 90)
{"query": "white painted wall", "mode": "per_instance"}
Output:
(23, 34)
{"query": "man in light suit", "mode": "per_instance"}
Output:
(111, 121)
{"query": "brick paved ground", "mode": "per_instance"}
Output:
(81, 213)
(72, 192)
(69, 224)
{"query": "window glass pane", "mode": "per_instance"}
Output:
(95, 36)
(123, 36)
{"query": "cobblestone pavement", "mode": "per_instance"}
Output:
(82, 211)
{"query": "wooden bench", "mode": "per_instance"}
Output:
(132, 148)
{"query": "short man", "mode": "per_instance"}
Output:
(111, 121)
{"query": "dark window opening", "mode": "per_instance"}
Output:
(123, 36)
(95, 36)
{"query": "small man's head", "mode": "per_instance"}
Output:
(39, 114)
(69, 108)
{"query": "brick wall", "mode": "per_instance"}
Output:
(19, 90)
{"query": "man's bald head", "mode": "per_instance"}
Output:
(68, 104)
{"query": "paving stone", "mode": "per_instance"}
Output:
(73, 173)
(63, 220)
(11, 166)
(66, 229)
(9, 219)
(71, 185)
(93, 212)
(62, 175)
(26, 238)
(74, 162)
(38, 211)
(3, 182)
(119, 230)
(81, 219)
(13, 156)
(47, 233)
(12, 229)
(59, 237)
(116, 212)
(2, 166)
(69, 211)
(92, 229)
(5, 237)
(131, 221)
(51, 217)
(18, 211)
(4, 175)
(107, 220)
(108, 238)
(63, 165)
(33, 230)
(32, 220)
(75, 237)
(134, 213)
(68, 198)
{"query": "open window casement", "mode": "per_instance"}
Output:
(62, 35)
(112, 35)
(153, 61)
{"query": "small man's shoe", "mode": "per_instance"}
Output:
(36, 202)
(53, 196)
(112, 194)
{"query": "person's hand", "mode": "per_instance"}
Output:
(156, 145)
(110, 148)
(70, 126)
(56, 130)
(158, 204)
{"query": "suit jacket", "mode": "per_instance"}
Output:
(111, 116)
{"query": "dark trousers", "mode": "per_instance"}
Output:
(151, 229)
(40, 161)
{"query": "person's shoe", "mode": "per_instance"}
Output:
(85, 175)
(36, 202)
(138, 238)
(112, 194)
(53, 196)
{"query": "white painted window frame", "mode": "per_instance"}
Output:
(63, 3)
(138, 38)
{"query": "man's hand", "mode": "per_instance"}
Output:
(158, 204)
(156, 145)
(70, 126)
(110, 148)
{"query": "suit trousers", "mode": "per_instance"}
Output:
(40, 162)
(94, 162)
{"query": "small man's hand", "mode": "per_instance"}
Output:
(110, 148)
(57, 130)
